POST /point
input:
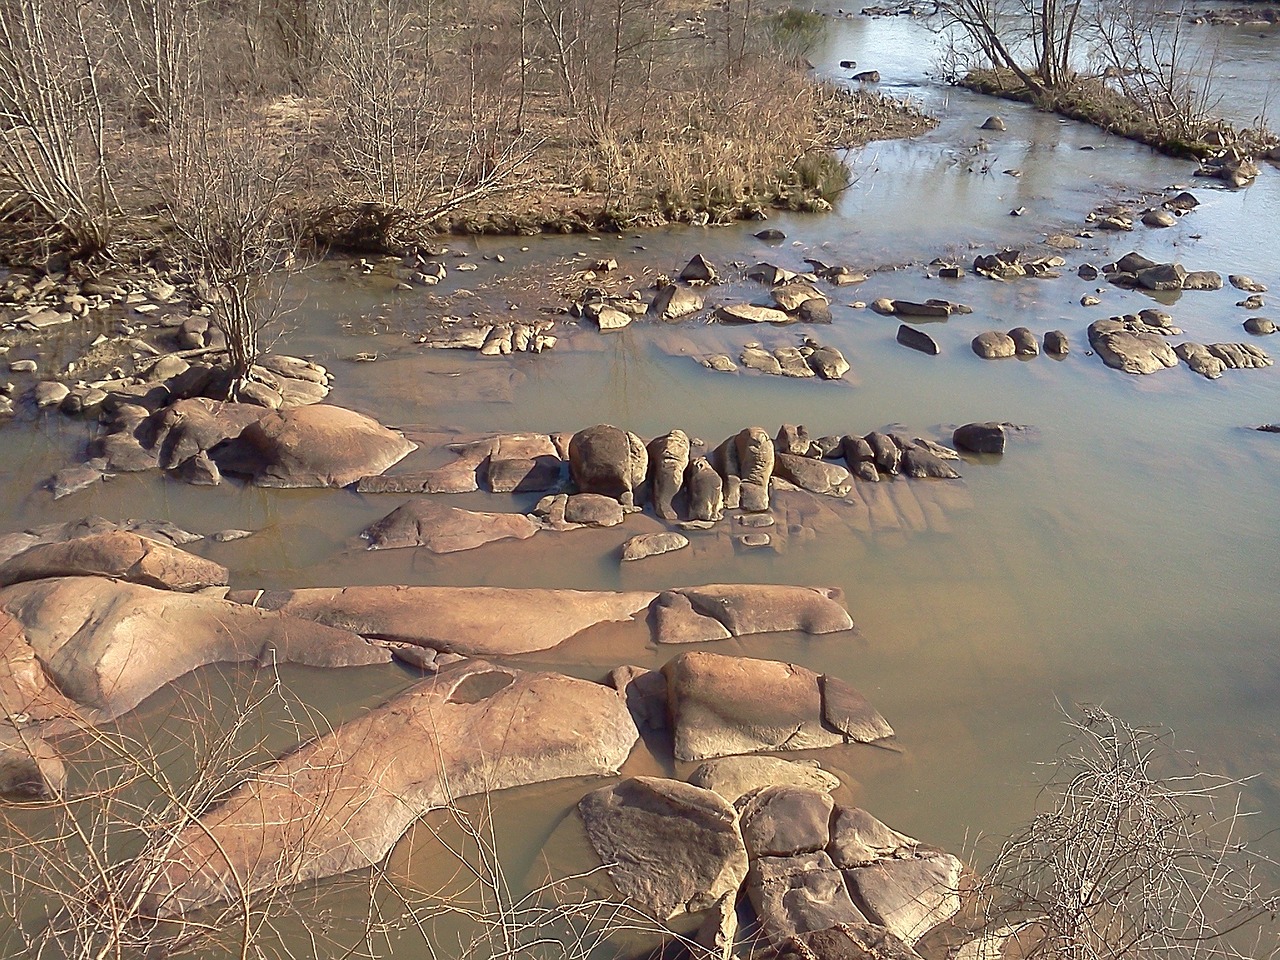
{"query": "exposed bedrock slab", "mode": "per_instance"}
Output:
(798, 894)
(720, 611)
(728, 705)
(341, 802)
(106, 645)
(734, 777)
(161, 531)
(441, 529)
(118, 554)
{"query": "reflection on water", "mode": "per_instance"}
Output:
(1122, 552)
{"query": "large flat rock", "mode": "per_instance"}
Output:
(118, 554)
(441, 529)
(721, 610)
(341, 802)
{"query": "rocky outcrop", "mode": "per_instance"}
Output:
(727, 705)
(608, 461)
(342, 801)
(117, 554)
(668, 459)
(312, 446)
(734, 777)
(441, 529)
(721, 611)
(106, 645)
(1131, 346)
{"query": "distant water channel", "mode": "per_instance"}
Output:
(1125, 550)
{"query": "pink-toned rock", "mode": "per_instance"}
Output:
(119, 554)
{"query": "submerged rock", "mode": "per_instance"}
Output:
(720, 611)
(440, 529)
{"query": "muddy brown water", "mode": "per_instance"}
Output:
(1123, 551)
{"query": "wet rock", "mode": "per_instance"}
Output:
(1056, 344)
(705, 491)
(1247, 284)
(675, 303)
(748, 313)
(720, 611)
(606, 460)
(769, 274)
(908, 308)
(1133, 262)
(312, 446)
(1159, 218)
(524, 475)
(729, 705)
(98, 640)
(917, 340)
(994, 345)
(784, 821)
(857, 454)
(475, 621)
(699, 270)
(1200, 360)
(474, 728)
(814, 310)
(652, 545)
(440, 529)
(771, 235)
(986, 437)
(1182, 203)
(848, 941)
(867, 76)
(859, 839)
(827, 362)
(73, 479)
(754, 455)
(50, 393)
(753, 540)
(886, 454)
(792, 362)
(1202, 280)
(792, 295)
(1260, 326)
(922, 464)
(1240, 356)
(669, 847)
(817, 476)
(609, 319)
(1254, 302)
(993, 123)
(1024, 342)
(117, 554)
(668, 459)
(23, 366)
(1132, 347)
(1087, 271)
(755, 357)
(1162, 276)
(199, 471)
(720, 363)
(593, 510)
(29, 766)
(160, 531)
(734, 777)
(801, 894)
(187, 428)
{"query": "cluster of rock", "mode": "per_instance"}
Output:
(1234, 165)
(809, 359)
(1136, 344)
(1134, 270)
(53, 298)
(1019, 342)
(1118, 218)
(1008, 264)
(495, 340)
(933, 308)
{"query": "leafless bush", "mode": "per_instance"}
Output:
(1135, 853)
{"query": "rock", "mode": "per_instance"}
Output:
(23, 366)
(814, 310)
(1254, 302)
(801, 894)
(312, 446)
(668, 461)
(734, 777)
(71, 480)
(993, 123)
(769, 274)
(1183, 202)
(851, 941)
(699, 270)
(1126, 346)
(886, 454)
(771, 235)
(790, 296)
(1024, 342)
(858, 839)
(791, 439)
(117, 554)
(50, 393)
(107, 644)
(675, 303)
(669, 847)
(440, 529)
(747, 313)
(994, 345)
(720, 611)
(792, 362)
(753, 451)
(1240, 356)
(986, 437)
(29, 766)
(728, 705)
(917, 340)
(907, 308)
(752, 541)
(867, 76)
(921, 464)
(908, 897)
(186, 428)
(1247, 284)
(1200, 360)
(593, 510)
(608, 461)
(1159, 218)
(1055, 343)
(1087, 271)
(473, 728)
(720, 363)
(1260, 326)
(1202, 280)
(829, 447)
(610, 319)
(1134, 262)
(816, 476)
(755, 357)
(160, 531)
(784, 821)
(1162, 276)
(652, 545)
(828, 362)
(524, 475)
(199, 470)
(705, 491)
(474, 621)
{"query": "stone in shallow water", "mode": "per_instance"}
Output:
(440, 529)
(652, 545)
(799, 894)
(734, 777)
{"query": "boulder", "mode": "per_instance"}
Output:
(1200, 360)
(593, 510)
(816, 476)
(674, 302)
(748, 313)
(1240, 356)
(699, 270)
(827, 362)
(886, 454)
(917, 340)
(1202, 280)
(815, 310)
(669, 847)
(784, 821)
(159, 531)
(994, 345)
(756, 357)
(790, 296)
(993, 123)
(859, 839)
(705, 490)
(606, 460)
(341, 801)
(754, 455)
(727, 705)
(312, 446)
(734, 777)
(440, 529)
(1242, 282)
(1055, 343)
(608, 319)
(1260, 326)
(852, 941)
(476, 621)
(1024, 342)
(524, 475)
(908, 897)
(986, 437)
(668, 461)
(919, 463)
(1124, 345)
(1159, 218)
(653, 544)
(107, 645)
(801, 894)
(117, 554)
(719, 611)
(792, 362)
